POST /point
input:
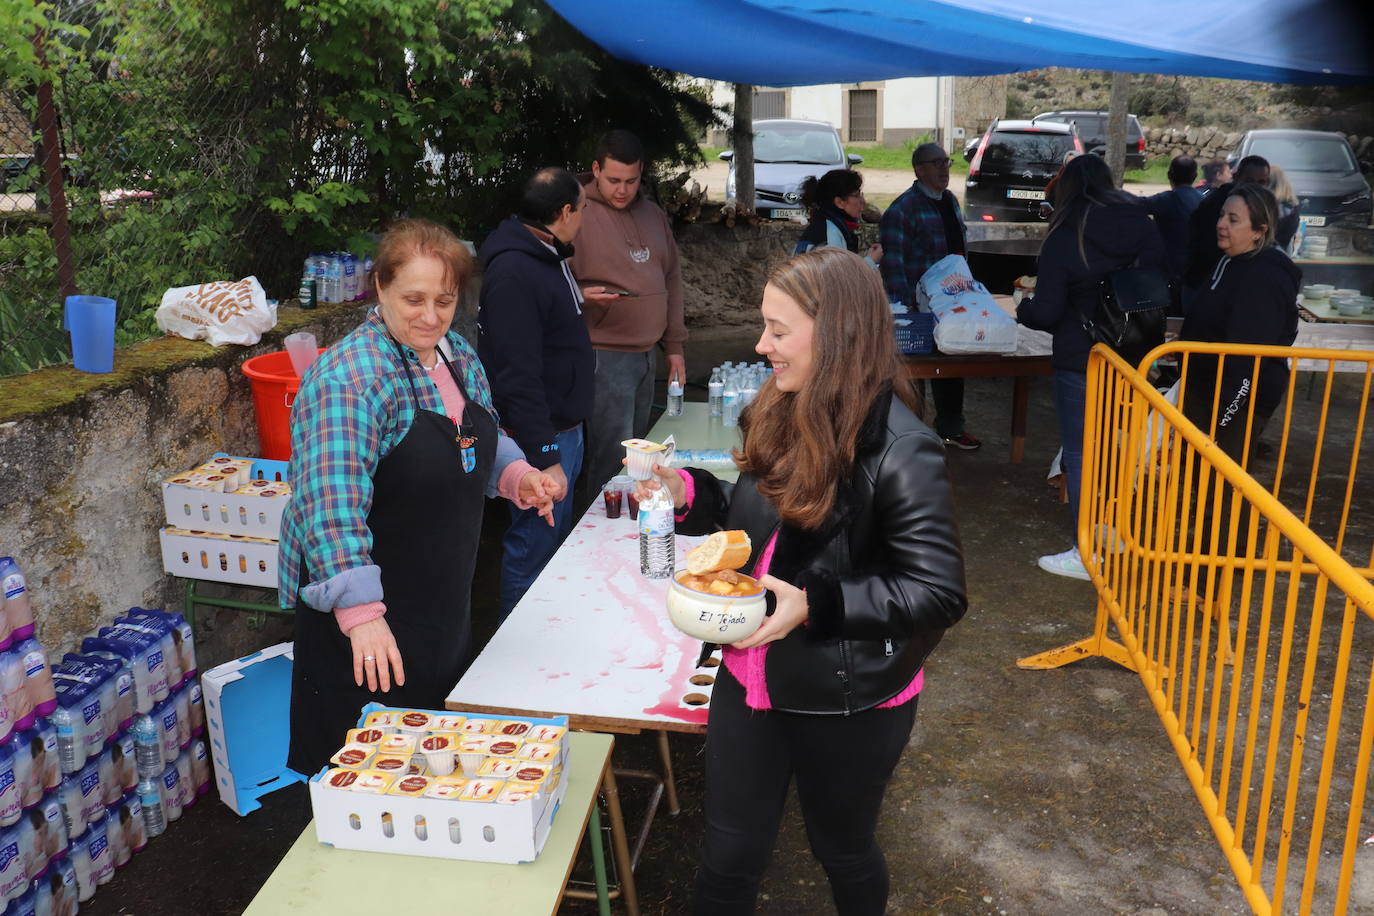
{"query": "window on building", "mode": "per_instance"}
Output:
(863, 115)
(769, 103)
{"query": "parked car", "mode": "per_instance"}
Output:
(786, 152)
(1009, 167)
(1329, 181)
(1092, 130)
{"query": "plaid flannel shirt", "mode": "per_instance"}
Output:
(913, 238)
(354, 406)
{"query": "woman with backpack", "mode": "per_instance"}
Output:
(1096, 229)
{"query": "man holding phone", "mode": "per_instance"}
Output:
(627, 265)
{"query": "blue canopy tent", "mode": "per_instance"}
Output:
(808, 42)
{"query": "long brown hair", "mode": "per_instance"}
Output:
(800, 444)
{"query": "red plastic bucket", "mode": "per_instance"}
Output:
(275, 385)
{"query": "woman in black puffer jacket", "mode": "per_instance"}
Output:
(1095, 229)
(844, 494)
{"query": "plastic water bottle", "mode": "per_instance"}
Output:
(674, 397)
(715, 390)
(729, 403)
(171, 792)
(71, 747)
(148, 747)
(150, 797)
(18, 610)
(657, 551)
(749, 391)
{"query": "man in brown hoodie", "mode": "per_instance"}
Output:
(627, 265)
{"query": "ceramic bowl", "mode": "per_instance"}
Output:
(1344, 294)
(1348, 307)
(1318, 291)
(714, 618)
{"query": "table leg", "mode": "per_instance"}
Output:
(669, 785)
(603, 898)
(1020, 402)
(620, 847)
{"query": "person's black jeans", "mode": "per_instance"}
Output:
(948, 395)
(842, 765)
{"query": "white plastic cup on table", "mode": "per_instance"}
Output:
(438, 751)
(303, 350)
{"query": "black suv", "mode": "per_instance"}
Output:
(1321, 166)
(1092, 130)
(1010, 166)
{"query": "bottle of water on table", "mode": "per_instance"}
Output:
(715, 390)
(729, 402)
(657, 550)
(674, 397)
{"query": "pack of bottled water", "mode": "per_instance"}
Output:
(335, 276)
(97, 753)
(732, 388)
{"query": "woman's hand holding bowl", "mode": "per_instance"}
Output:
(791, 612)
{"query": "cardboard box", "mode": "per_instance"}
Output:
(219, 558)
(437, 828)
(248, 711)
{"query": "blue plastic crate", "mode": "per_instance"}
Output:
(248, 710)
(918, 337)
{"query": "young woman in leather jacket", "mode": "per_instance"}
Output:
(844, 494)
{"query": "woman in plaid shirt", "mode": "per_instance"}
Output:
(395, 447)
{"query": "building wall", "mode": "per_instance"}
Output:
(818, 103)
(910, 104)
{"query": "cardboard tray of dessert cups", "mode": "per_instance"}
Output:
(438, 828)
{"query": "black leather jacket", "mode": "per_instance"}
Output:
(884, 574)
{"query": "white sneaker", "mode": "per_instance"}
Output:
(1065, 564)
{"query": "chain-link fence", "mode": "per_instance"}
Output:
(144, 143)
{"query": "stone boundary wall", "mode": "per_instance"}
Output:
(1204, 143)
(81, 457)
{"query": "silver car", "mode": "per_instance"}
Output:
(785, 153)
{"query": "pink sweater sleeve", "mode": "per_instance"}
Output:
(509, 484)
(349, 617)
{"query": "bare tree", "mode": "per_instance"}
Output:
(1116, 125)
(742, 140)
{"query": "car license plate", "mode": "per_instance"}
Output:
(1018, 194)
(787, 214)
(1313, 220)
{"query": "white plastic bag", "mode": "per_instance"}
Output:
(225, 311)
(967, 320)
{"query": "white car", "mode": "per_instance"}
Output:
(786, 152)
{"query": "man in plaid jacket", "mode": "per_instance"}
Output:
(918, 229)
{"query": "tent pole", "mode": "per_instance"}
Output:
(1116, 126)
(742, 140)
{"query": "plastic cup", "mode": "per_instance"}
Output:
(633, 505)
(91, 322)
(611, 494)
(302, 349)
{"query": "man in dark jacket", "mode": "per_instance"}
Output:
(1203, 252)
(538, 357)
(1171, 210)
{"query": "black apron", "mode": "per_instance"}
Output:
(425, 521)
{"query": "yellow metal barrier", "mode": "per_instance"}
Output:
(1252, 634)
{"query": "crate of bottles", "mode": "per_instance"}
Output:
(916, 333)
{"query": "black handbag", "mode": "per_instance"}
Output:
(1131, 313)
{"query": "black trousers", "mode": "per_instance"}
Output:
(948, 395)
(842, 765)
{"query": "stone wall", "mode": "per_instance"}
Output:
(1204, 142)
(81, 457)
